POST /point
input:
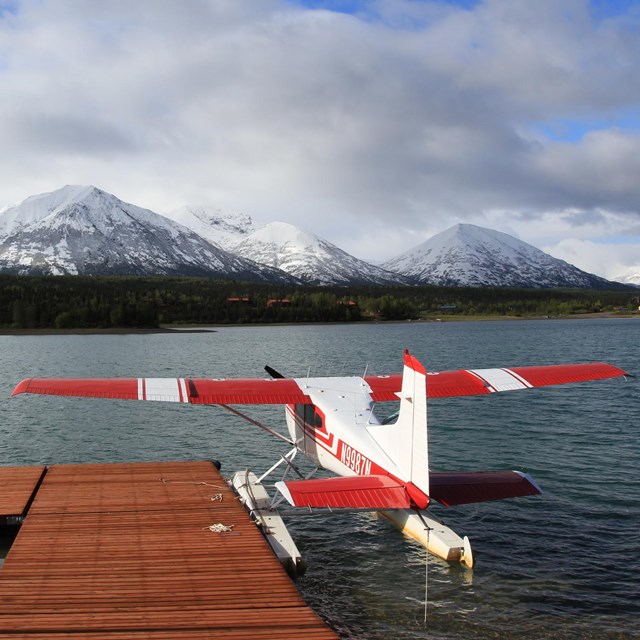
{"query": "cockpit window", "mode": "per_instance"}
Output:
(310, 415)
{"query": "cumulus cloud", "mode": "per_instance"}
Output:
(373, 129)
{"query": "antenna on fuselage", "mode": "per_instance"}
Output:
(373, 406)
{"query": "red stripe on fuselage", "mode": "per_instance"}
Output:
(311, 431)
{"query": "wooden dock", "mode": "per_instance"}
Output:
(17, 488)
(117, 551)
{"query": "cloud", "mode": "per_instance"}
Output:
(600, 171)
(617, 261)
(404, 115)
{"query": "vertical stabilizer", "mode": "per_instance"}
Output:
(405, 442)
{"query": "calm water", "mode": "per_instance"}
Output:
(561, 565)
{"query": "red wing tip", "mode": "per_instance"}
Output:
(21, 387)
(612, 369)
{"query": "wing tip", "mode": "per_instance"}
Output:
(613, 371)
(21, 387)
(284, 490)
(530, 480)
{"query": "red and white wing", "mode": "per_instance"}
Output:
(464, 382)
(453, 488)
(472, 382)
(353, 492)
(186, 390)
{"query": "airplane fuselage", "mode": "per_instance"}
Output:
(327, 445)
(336, 433)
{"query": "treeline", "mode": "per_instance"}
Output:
(65, 302)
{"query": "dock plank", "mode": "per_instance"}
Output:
(18, 486)
(125, 551)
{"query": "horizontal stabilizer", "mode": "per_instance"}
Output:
(354, 492)
(453, 488)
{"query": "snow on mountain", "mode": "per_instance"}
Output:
(309, 258)
(224, 228)
(84, 230)
(630, 276)
(468, 255)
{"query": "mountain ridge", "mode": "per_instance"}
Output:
(80, 229)
(221, 227)
(310, 258)
(469, 255)
(83, 230)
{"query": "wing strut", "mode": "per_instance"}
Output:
(256, 423)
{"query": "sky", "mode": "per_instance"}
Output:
(372, 123)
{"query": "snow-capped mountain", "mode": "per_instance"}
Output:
(630, 276)
(224, 228)
(468, 255)
(309, 258)
(83, 230)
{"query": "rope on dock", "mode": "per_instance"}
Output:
(216, 497)
(218, 527)
(193, 482)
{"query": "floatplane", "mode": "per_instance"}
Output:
(379, 465)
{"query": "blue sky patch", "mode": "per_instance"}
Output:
(573, 130)
(368, 6)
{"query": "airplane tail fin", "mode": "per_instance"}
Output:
(406, 441)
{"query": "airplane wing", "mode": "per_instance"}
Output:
(185, 390)
(472, 382)
(464, 382)
(454, 488)
(353, 492)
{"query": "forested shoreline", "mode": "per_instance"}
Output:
(74, 302)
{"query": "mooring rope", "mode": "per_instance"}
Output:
(426, 567)
(218, 527)
(193, 482)
(426, 577)
(216, 497)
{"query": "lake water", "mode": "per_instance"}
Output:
(561, 565)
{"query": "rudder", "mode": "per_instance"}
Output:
(406, 441)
